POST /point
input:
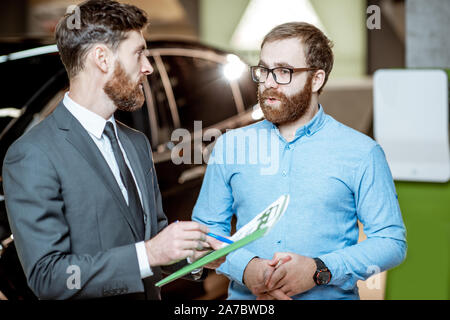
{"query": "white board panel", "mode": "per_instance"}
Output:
(411, 123)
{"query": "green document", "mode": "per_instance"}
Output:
(252, 231)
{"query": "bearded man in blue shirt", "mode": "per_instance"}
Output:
(334, 175)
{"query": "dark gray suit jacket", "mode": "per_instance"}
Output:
(66, 211)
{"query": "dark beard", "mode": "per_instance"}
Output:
(126, 95)
(290, 108)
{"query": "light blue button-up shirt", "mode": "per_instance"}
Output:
(334, 176)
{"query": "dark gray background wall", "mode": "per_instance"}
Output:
(427, 33)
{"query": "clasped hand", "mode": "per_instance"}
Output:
(286, 275)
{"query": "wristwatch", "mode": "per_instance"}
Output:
(322, 275)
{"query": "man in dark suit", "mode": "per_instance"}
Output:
(81, 191)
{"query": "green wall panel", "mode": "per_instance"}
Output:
(425, 273)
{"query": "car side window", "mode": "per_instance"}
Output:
(200, 90)
(160, 104)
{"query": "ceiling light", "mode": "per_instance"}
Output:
(261, 16)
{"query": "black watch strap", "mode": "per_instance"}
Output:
(319, 263)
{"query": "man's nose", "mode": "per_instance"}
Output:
(270, 81)
(146, 67)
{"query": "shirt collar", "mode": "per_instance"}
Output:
(314, 125)
(92, 122)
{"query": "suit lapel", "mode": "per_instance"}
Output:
(80, 139)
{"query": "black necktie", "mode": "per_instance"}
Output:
(134, 204)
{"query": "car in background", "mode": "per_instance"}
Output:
(191, 82)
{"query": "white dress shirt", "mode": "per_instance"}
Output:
(94, 125)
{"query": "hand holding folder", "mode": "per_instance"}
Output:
(255, 229)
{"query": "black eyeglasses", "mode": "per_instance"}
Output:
(281, 75)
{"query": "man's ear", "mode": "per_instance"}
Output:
(102, 57)
(318, 80)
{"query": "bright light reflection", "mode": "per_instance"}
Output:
(234, 68)
(257, 113)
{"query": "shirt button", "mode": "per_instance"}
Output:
(283, 173)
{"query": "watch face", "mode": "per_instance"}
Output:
(323, 277)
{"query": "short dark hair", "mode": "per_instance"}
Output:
(101, 21)
(318, 51)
